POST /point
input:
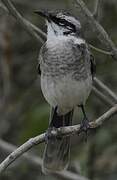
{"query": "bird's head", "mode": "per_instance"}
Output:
(61, 23)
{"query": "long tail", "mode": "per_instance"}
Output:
(57, 150)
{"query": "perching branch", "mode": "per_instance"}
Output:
(64, 131)
(98, 28)
(37, 161)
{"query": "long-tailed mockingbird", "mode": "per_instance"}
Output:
(66, 67)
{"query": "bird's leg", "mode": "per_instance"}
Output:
(84, 126)
(53, 125)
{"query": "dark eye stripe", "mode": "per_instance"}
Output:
(69, 25)
(63, 22)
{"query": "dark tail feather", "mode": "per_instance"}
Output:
(57, 150)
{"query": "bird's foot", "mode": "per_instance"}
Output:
(84, 127)
(51, 133)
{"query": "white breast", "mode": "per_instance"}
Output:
(65, 93)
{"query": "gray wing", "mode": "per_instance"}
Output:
(40, 59)
(82, 48)
(38, 69)
(93, 65)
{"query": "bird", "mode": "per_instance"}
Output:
(66, 67)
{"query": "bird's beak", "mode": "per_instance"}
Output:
(42, 13)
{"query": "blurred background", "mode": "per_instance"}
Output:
(24, 113)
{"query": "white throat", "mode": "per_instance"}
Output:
(53, 30)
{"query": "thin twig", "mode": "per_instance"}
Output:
(65, 131)
(106, 89)
(100, 50)
(23, 22)
(96, 9)
(3, 7)
(35, 160)
(102, 97)
(98, 28)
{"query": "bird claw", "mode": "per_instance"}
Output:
(84, 127)
(51, 133)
